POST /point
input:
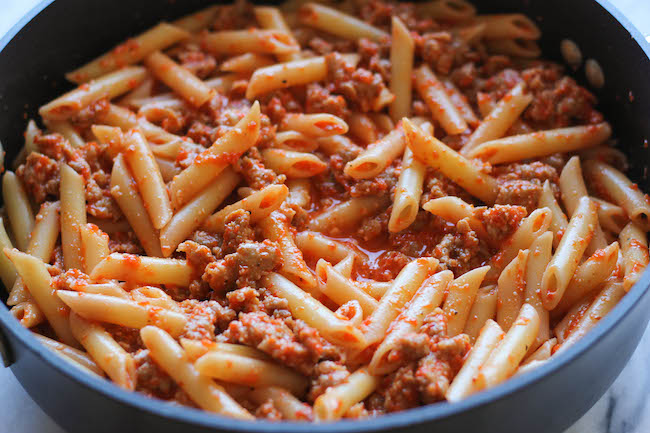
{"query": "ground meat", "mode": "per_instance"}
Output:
(199, 63)
(245, 300)
(534, 171)
(211, 240)
(128, 338)
(257, 176)
(243, 268)
(360, 87)
(558, 101)
(326, 374)
(442, 51)
(280, 103)
(274, 337)
(425, 379)
(239, 15)
(151, 380)
(201, 319)
(436, 186)
(374, 226)
(500, 221)
(379, 13)
(72, 279)
(498, 85)
(125, 242)
(237, 230)
(458, 251)
(319, 100)
(519, 192)
(376, 56)
(40, 177)
(410, 347)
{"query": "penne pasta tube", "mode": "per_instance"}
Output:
(434, 153)
(501, 118)
(336, 401)
(447, 10)
(541, 251)
(197, 21)
(454, 209)
(540, 144)
(602, 304)
(154, 296)
(484, 308)
(246, 63)
(27, 313)
(614, 185)
(123, 312)
(292, 140)
(611, 217)
(230, 367)
(338, 23)
(314, 244)
(116, 362)
(402, 290)
(530, 228)
(559, 221)
(634, 248)
(433, 92)
(70, 353)
(289, 74)
(289, 406)
(408, 192)
(73, 216)
(195, 212)
(402, 51)
(567, 256)
(293, 164)
(542, 353)
(461, 103)
(387, 358)
(363, 128)
(68, 132)
(299, 192)
(41, 245)
(259, 204)
(508, 26)
(315, 125)
(460, 298)
(143, 269)
(346, 215)
(524, 48)
(271, 18)
(344, 267)
(376, 289)
(202, 390)
(506, 356)
(248, 41)
(168, 169)
(463, 384)
(377, 156)
(277, 228)
(304, 307)
(194, 349)
(107, 86)
(124, 191)
(129, 52)
(8, 273)
(94, 245)
(340, 289)
(146, 174)
(511, 288)
(19, 210)
(590, 275)
(224, 151)
(179, 79)
(38, 281)
(108, 289)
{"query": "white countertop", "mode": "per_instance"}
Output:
(625, 408)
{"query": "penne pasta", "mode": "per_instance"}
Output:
(143, 269)
(539, 144)
(248, 41)
(18, 208)
(461, 294)
(406, 202)
(340, 289)
(483, 309)
(377, 156)
(293, 164)
(333, 404)
(73, 216)
(567, 256)
(433, 92)
(511, 289)
(402, 51)
(541, 251)
(337, 23)
(634, 249)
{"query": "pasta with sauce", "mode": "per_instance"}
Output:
(319, 211)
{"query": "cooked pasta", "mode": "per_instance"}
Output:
(316, 212)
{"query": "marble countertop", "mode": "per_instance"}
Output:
(625, 408)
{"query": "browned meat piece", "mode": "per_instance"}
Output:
(125, 242)
(199, 63)
(40, 177)
(319, 100)
(151, 379)
(257, 176)
(519, 192)
(500, 221)
(360, 87)
(268, 412)
(237, 230)
(201, 319)
(326, 374)
(458, 250)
